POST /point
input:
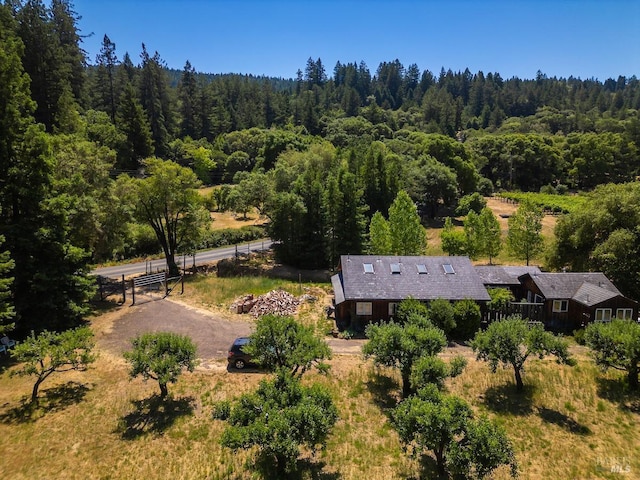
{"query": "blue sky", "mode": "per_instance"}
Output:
(583, 38)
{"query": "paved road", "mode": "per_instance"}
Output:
(200, 259)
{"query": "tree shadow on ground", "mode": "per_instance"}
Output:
(6, 362)
(154, 415)
(305, 469)
(560, 419)
(383, 390)
(50, 400)
(505, 399)
(429, 468)
(617, 391)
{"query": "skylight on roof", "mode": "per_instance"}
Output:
(422, 268)
(395, 268)
(368, 267)
(448, 269)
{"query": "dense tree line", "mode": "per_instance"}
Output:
(318, 155)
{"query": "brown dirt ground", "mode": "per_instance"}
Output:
(212, 333)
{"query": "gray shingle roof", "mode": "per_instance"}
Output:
(354, 284)
(589, 294)
(503, 275)
(566, 285)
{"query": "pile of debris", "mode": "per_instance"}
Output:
(276, 302)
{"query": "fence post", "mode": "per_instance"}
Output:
(166, 284)
(124, 290)
(133, 292)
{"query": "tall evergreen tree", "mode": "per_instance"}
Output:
(188, 94)
(64, 20)
(133, 123)
(154, 93)
(106, 76)
(47, 266)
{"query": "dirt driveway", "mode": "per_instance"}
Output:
(211, 333)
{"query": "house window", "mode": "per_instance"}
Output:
(364, 308)
(560, 306)
(603, 314)
(448, 269)
(538, 299)
(422, 268)
(368, 267)
(395, 268)
(393, 308)
(624, 313)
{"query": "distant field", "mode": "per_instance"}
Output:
(555, 204)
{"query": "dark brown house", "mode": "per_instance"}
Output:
(571, 300)
(369, 287)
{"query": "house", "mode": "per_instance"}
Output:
(571, 300)
(369, 287)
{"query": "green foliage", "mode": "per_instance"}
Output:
(408, 236)
(524, 238)
(379, 235)
(616, 345)
(472, 202)
(51, 352)
(232, 236)
(410, 306)
(278, 418)
(442, 315)
(500, 298)
(161, 356)
(7, 310)
(168, 201)
(492, 237)
(433, 370)
(431, 421)
(454, 242)
(512, 341)
(484, 448)
(549, 203)
(467, 316)
(280, 342)
(444, 424)
(400, 346)
(604, 235)
(482, 234)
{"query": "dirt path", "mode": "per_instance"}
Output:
(212, 335)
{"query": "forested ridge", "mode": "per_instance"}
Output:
(317, 155)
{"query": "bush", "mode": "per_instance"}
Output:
(578, 336)
(467, 317)
(232, 236)
(485, 187)
(474, 202)
(141, 241)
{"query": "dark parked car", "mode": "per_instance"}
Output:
(237, 357)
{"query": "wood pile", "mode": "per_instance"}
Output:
(276, 302)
